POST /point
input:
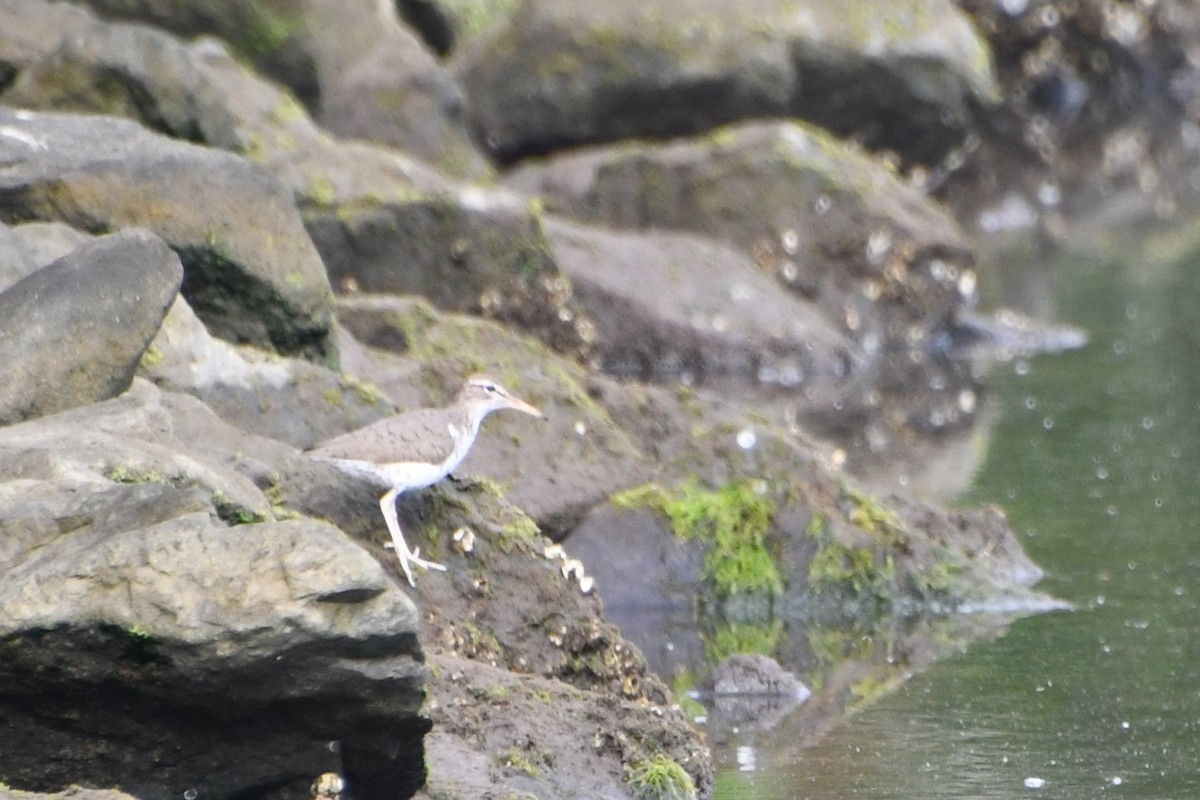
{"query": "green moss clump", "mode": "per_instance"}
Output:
(232, 513)
(496, 693)
(139, 634)
(516, 760)
(120, 474)
(659, 778)
(151, 358)
(732, 521)
(838, 568)
(364, 391)
(869, 514)
(319, 191)
(332, 397)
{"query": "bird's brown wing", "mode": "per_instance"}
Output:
(419, 436)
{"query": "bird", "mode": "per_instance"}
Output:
(417, 449)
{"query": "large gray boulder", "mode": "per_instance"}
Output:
(251, 272)
(72, 333)
(667, 305)
(157, 600)
(122, 70)
(352, 63)
(886, 264)
(565, 72)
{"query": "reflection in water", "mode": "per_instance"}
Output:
(1094, 454)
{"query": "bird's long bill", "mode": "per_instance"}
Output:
(520, 405)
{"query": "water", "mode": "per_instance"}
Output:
(1095, 455)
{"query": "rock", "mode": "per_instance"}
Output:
(353, 63)
(395, 93)
(750, 693)
(272, 37)
(561, 74)
(193, 91)
(754, 673)
(154, 603)
(526, 668)
(287, 399)
(31, 29)
(72, 332)
(70, 793)
(555, 470)
(778, 527)
(885, 264)
(250, 271)
(491, 735)
(132, 71)
(24, 249)
(668, 306)
(467, 249)
(636, 561)
(382, 221)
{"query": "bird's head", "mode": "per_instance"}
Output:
(485, 395)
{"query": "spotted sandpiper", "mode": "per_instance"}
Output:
(417, 449)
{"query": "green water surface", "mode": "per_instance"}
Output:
(1095, 456)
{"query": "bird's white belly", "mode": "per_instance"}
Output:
(403, 475)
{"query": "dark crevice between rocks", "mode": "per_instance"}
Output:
(221, 294)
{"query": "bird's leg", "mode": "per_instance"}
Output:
(387, 504)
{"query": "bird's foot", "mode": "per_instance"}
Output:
(413, 558)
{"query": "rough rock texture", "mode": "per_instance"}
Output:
(670, 304)
(376, 78)
(833, 225)
(381, 220)
(560, 74)
(1096, 129)
(494, 733)
(475, 250)
(122, 70)
(836, 550)
(72, 332)
(211, 646)
(250, 270)
(885, 266)
(754, 673)
(170, 576)
(394, 92)
(526, 671)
